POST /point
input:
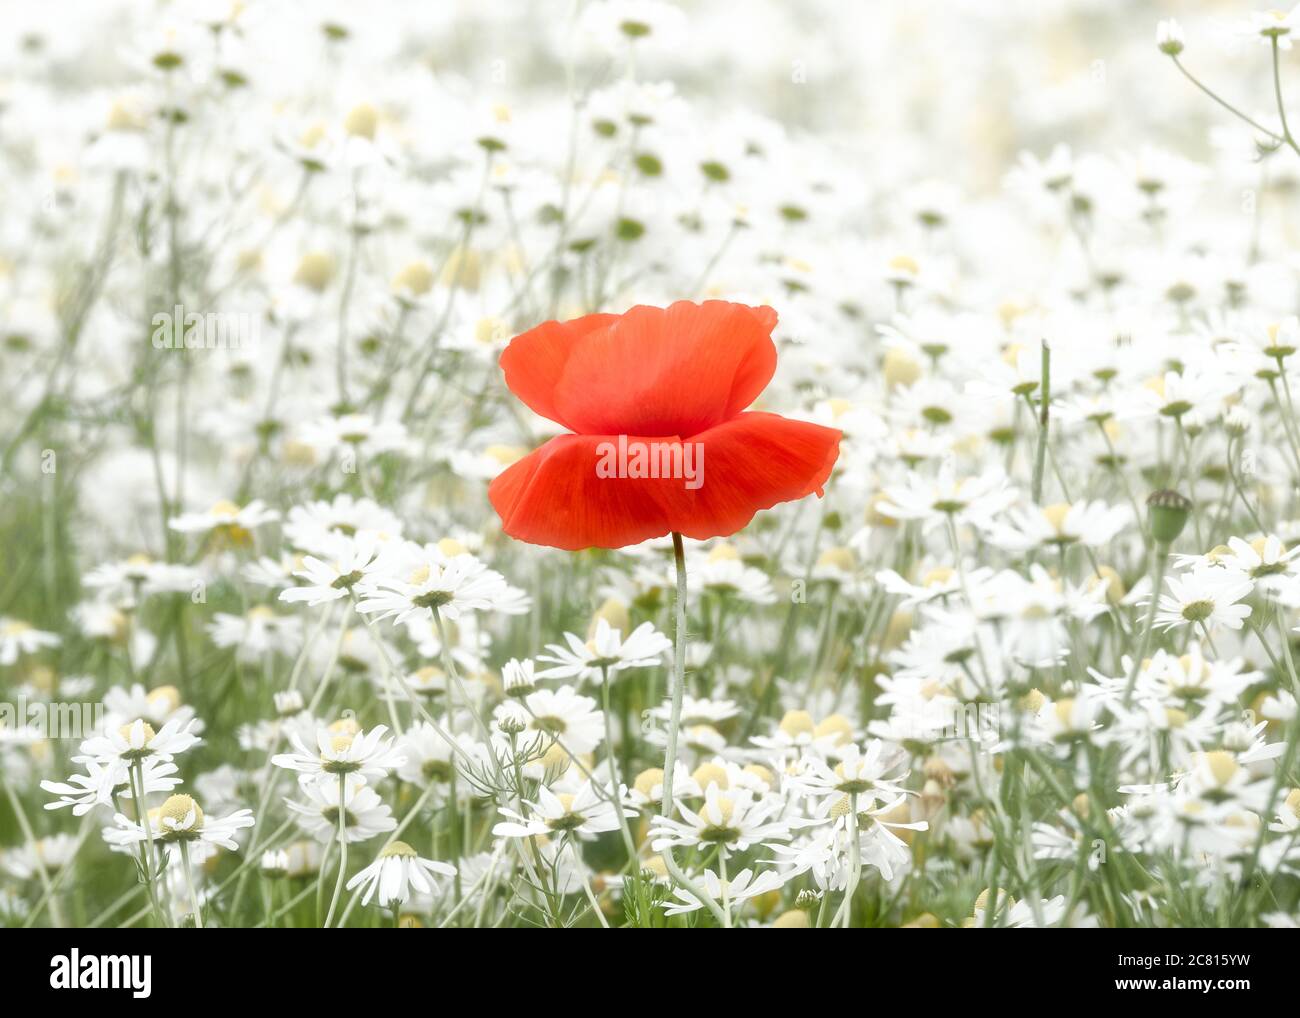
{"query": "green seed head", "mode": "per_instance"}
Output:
(1168, 512)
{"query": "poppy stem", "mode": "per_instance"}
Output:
(1157, 584)
(670, 755)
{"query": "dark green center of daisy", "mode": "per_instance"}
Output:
(347, 581)
(719, 834)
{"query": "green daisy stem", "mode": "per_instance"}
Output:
(670, 754)
(453, 676)
(722, 881)
(1223, 102)
(41, 872)
(147, 848)
(1044, 418)
(845, 915)
(612, 762)
(189, 884)
(343, 850)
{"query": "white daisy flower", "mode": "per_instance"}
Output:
(583, 813)
(364, 814)
(1207, 596)
(430, 582)
(738, 889)
(731, 820)
(18, 637)
(138, 740)
(227, 520)
(106, 780)
(397, 872)
(179, 819)
(606, 651)
(349, 562)
(343, 750)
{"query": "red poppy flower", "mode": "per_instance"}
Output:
(675, 381)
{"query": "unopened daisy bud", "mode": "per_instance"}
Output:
(512, 724)
(1169, 37)
(288, 702)
(792, 920)
(275, 863)
(517, 676)
(1167, 512)
(807, 900)
(1237, 421)
(925, 921)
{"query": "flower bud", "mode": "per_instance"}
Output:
(1169, 37)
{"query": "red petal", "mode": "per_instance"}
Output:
(554, 496)
(754, 462)
(534, 360)
(667, 371)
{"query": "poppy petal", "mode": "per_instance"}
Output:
(534, 360)
(753, 462)
(666, 371)
(556, 496)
